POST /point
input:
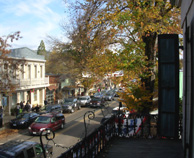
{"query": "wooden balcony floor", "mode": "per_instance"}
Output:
(143, 148)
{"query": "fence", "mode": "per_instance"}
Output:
(133, 126)
(94, 143)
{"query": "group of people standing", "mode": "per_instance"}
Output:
(22, 107)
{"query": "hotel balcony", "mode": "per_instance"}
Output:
(32, 83)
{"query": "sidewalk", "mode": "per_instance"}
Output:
(6, 120)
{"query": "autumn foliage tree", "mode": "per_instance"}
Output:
(10, 67)
(133, 25)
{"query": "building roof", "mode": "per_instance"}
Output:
(25, 53)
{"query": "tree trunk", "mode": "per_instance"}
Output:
(149, 39)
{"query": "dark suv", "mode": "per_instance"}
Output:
(70, 105)
(23, 120)
(22, 149)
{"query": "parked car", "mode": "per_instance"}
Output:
(97, 102)
(123, 111)
(70, 105)
(23, 120)
(53, 108)
(52, 121)
(109, 96)
(23, 149)
(83, 100)
(98, 95)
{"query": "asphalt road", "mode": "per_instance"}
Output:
(74, 129)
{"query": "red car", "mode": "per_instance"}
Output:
(49, 120)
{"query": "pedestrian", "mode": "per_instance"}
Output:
(37, 108)
(17, 109)
(21, 105)
(30, 107)
(26, 108)
(45, 102)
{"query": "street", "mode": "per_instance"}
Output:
(74, 129)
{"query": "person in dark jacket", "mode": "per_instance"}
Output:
(21, 105)
(37, 108)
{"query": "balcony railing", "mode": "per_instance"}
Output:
(31, 82)
(133, 126)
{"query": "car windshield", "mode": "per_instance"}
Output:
(97, 94)
(103, 92)
(23, 115)
(68, 100)
(82, 98)
(48, 108)
(96, 99)
(108, 94)
(43, 119)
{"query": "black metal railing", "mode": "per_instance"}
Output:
(94, 142)
(135, 125)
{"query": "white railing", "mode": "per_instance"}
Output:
(34, 82)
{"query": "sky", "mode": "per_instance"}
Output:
(35, 19)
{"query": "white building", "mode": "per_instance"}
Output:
(187, 23)
(32, 81)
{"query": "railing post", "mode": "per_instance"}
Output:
(47, 133)
(91, 116)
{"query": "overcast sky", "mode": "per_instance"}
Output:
(35, 19)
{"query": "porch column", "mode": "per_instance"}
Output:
(32, 97)
(38, 96)
(18, 97)
(25, 96)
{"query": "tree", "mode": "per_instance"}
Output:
(10, 67)
(41, 49)
(134, 25)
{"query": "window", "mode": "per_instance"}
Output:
(35, 71)
(13, 71)
(29, 71)
(20, 155)
(22, 71)
(41, 71)
(53, 120)
(31, 153)
(35, 95)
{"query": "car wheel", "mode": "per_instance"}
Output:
(31, 134)
(72, 111)
(62, 125)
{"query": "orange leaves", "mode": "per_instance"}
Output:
(136, 97)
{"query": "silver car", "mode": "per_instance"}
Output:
(109, 96)
(83, 100)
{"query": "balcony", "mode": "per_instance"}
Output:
(126, 138)
(32, 83)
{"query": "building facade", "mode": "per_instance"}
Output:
(187, 23)
(31, 80)
(51, 91)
